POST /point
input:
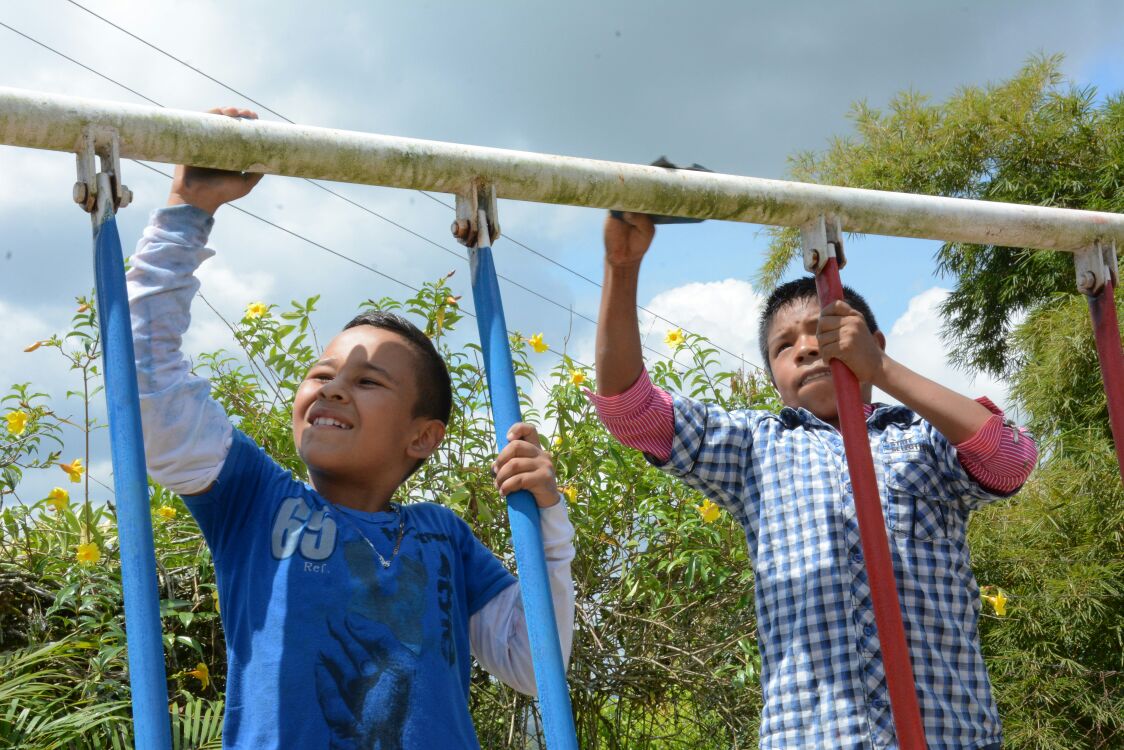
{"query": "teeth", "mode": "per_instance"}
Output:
(817, 376)
(329, 422)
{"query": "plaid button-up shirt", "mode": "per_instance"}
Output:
(784, 477)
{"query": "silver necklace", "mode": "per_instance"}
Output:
(397, 544)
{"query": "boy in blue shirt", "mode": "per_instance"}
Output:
(349, 618)
(784, 478)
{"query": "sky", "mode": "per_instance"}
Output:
(736, 86)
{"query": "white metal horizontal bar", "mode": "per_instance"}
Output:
(47, 121)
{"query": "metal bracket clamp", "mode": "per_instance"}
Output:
(822, 238)
(466, 228)
(101, 142)
(1095, 266)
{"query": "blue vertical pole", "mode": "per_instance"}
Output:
(522, 511)
(147, 678)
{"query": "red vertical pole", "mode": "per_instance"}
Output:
(872, 532)
(1106, 331)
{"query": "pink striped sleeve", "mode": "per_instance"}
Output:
(1000, 456)
(642, 417)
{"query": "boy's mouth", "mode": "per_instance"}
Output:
(329, 422)
(819, 373)
(317, 418)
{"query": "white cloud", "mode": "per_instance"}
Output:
(726, 312)
(914, 340)
(22, 328)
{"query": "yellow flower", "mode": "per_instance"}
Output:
(88, 553)
(74, 470)
(256, 310)
(571, 493)
(674, 338)
(577, 377)
(34, 346)
(17, 422)
(202, 674)
(83, 307)
(451, 300)
(557, 442)
(708, 511)
(215, 596)
(998, 602)
(58, 499)
(166, 512)
(538, 344)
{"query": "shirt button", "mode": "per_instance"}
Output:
(878, 703)
(857, 557)
(868, 630)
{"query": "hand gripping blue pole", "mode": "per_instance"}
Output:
(522, 511)
(147, 677)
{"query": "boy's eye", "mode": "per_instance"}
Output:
(368, 381)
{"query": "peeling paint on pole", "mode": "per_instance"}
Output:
(45, 121)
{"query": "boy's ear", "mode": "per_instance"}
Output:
(881, 339)
(427, 437)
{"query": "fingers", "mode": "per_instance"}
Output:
(523, 431)
(245, 114)
(524, 474)
(835, 315)
(627, 222)
(642, 222)
(523, 465)
(518, 449)
(838, 307)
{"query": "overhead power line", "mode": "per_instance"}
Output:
(340, 196)
(511, 239)
(262, 219)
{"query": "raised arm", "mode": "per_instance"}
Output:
(619, 358)
(186, 433)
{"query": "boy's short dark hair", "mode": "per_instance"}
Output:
(435, 389)
(794, 291)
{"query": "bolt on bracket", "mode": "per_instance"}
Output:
(822, 238)
(1095, 266)
(101, 142)
(480, 197)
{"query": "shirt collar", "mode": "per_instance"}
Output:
(877, 415)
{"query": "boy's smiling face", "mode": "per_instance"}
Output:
(354, 415)
(801, 376)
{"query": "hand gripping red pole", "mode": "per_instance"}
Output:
(872, 532)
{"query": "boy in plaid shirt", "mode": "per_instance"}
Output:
(784, 477)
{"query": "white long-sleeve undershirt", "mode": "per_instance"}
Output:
(187, 434)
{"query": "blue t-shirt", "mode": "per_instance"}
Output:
(327, 648)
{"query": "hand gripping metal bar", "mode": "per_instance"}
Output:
(823, 253)
(476, 220)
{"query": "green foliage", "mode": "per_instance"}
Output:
(1035, 139)
(665, 653)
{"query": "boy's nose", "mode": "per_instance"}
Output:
(807, 347)
(332, 391)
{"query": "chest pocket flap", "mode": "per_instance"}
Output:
(912, 490)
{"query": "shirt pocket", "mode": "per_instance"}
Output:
(912, 497)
